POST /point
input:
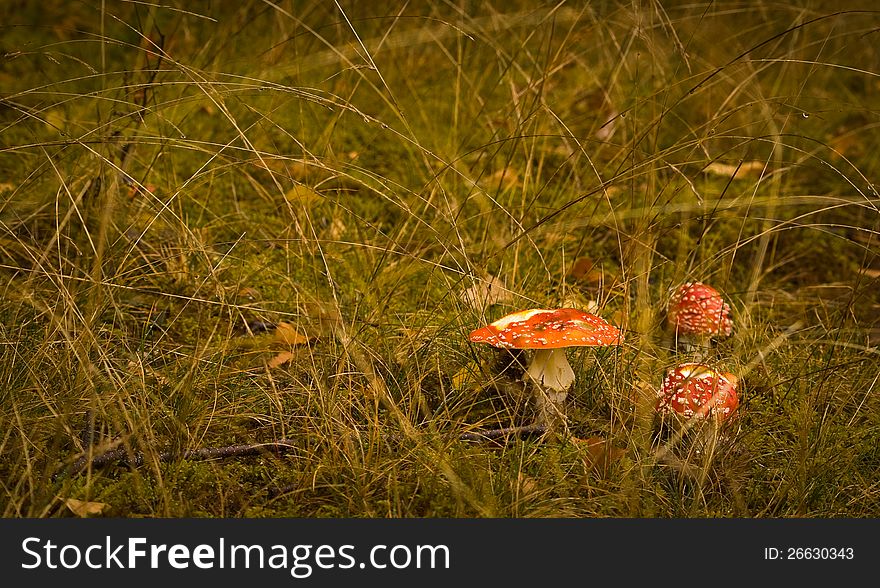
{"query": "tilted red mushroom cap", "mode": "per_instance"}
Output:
(538, 328)
(698, 309)
(695, 389)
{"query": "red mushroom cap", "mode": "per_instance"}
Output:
(698, 309)
(538, 328)
(696, 390)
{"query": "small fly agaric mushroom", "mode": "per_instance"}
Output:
(696, 313)
(548, 332)
(695, 390)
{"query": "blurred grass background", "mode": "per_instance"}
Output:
(178, 180)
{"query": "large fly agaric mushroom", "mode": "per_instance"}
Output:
(548, 332)
(696, 313)
(695, 390)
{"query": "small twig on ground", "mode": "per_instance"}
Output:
(87, 435)
(490, 434)
(122, 457)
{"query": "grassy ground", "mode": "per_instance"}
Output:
(175, 182)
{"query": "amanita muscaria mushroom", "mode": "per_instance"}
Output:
(696, 313)
(695, 390)
(548, 332)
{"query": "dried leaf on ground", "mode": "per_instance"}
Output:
(847, 144)
(293, 169)
(606, 131)
(620, 319)
(84, 509)
(598, 453)
(138, 367)
(412, 340)
(506, 177)
(302, 195)
(336, 229)
(280, 359)
(580, 268)
(573, 300)
(485, 293)
(135, 189)
(585, 271)
(248, 293)
(748, 169)
(325, 318)
(465, 380)
(526, 484)
(471, 378)
(55, 119)
(286, 334)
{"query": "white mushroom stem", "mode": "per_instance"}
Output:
(552, 376)
(549, 368)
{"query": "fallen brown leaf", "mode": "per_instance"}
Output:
(580, 267)
(575, 300)
(85, 509)
(866, 237)
(54, 119)
(526, 484)
(620, 319)
(249, 293)
(208, 108)
(134, 189)
(606, 131)
(598, 453)
(583, 270)
(846, 144)
(466, 379)
(336, 229)
(506, 177)
(302, 195)
(411, 340)
(325, 318)
(485, 293)
(286, 334)
(280, 359)
(748, 169)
